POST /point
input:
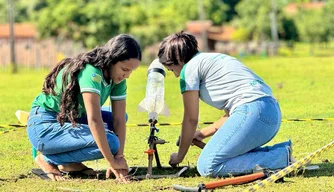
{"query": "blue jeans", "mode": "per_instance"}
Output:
(61, 145)
(235, 147)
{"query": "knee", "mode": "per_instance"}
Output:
(205, 167)
(113, 142)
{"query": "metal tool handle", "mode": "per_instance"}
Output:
(196, 142)
(184, 188)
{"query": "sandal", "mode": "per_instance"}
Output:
(81, 173)
(44, 175)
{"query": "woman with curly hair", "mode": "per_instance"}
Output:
(66, 123)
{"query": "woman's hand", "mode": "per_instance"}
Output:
(174, 159)
(119, 168)
(199, 136)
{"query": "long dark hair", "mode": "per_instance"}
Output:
(120, 48)
(177, 49)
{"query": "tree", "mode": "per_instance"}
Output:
(289, 30)
(3, 11)
(311, 27)
(230, 11)
(329, 17)
(159, 18)
(95, 21)
(91, 22)
(253, 16)
(23, 10)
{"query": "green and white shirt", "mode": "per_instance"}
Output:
(222, 81)
(90, 80)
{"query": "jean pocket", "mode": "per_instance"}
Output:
(34, 119)
(267, 113)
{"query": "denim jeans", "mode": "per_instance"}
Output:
(235, 147)
(61, 145)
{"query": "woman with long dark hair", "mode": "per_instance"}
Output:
(66, 123)
(252, 115)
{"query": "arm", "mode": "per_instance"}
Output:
(211, 129)
(118, 110)
(95, 123)
(190, 121)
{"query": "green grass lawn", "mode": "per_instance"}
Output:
(303, 86)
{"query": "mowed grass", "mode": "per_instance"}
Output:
(304, 87)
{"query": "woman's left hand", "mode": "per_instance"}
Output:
(121, 160)
(121, 174)
(174, 159)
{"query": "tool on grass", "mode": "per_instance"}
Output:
(290, 168)
(223, 182)
(269, 175)
(152, 142)
(154, 104)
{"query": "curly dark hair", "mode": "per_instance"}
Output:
(177, 49)
(120, 48)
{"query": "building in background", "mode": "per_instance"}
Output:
(218, 38)
(292, 8)
(32, 52)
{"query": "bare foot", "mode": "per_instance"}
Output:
(51, 170)
(77, 167)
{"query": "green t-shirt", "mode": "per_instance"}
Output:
(90, 80)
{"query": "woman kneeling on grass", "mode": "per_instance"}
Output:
(253, 116)
(66, 123)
